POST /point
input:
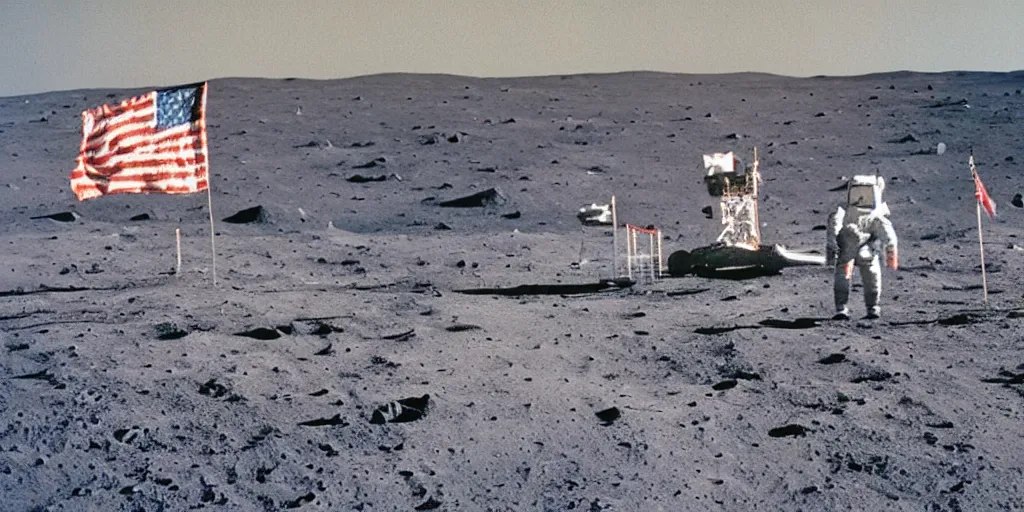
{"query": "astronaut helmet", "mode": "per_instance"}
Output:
(864, 193)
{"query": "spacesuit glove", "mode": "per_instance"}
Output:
(893, 259)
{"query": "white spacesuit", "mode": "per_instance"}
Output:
(858, 235)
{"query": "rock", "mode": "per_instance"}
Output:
(514, 215)
(708, 212)
(168, 331)
(426, 140)
(791, 430)
(401, 411)
(213, 389)
(462, 327)
(255, 215)
(1017, 201)
(309, 497)
(905, 139)
(314, 144)
(940, 148)
(325, 422)
(260, 333)
(379, 161)
(141, 216)
(595, 215)
(609, 415)
(832, 359)
(430, 504)
(401, 336)
(359, 178)
(487, 197)
(948, 102)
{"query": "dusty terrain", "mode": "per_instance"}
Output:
(125, 387)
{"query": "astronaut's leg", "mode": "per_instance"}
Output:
(871, 275)
(841, 289)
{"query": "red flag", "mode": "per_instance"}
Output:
(982, 196)
(154, 143)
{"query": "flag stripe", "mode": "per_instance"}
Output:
(126, 110)
(148, 140)
(143, 174)
(132, 162)
(117, 156)
(92, 191)
(132, 134)
(123, 151)
(110, 127)
(156, 163)
(167, 183)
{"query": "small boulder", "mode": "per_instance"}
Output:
(401, 411)
(487, 197)
(609, 415)
(255, 215)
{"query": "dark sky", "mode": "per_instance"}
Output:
(67, 44)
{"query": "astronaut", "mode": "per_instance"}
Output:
(858, 235)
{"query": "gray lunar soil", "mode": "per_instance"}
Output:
(338, 365)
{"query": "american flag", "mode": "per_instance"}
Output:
(153, 143)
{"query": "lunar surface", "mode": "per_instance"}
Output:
(408, 314)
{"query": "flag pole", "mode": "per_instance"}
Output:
(213, 246)
(981, 243)
(209, 194)
(981, 246)
(177, 236)
(615, 242)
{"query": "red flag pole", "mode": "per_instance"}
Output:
(981, 243)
